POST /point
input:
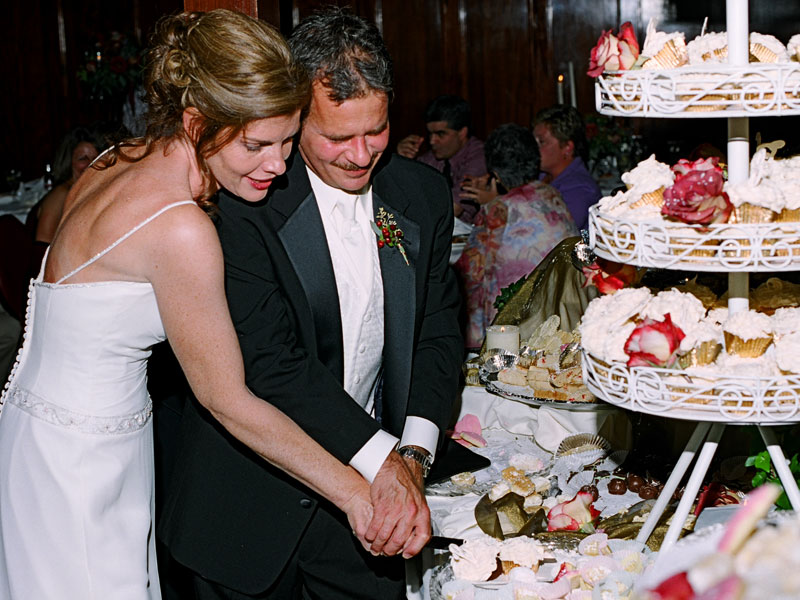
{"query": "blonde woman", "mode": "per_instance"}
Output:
(136, 259)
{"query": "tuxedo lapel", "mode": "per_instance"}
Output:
(399, 303)
(303, 237)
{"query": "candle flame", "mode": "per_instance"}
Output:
(560, 78)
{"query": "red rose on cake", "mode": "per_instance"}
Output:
(608, 276)
(654, 343)
(614, 53)
(696, 197)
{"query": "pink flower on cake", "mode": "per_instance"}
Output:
(684, 166)
(614, 53)
(608, 276)
(697, 198)
(577, 514)
(654, 343)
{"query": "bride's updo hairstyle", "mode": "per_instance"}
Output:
(230, 67)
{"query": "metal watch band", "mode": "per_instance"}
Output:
(423, 459)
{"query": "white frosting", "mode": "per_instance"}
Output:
(474, 560)
(793, 46)
(523, 551)
(649, 176)
(730, 364)
(685, 310)
(655, 40)
(698, 333)
(526, 462)
(765, 194)
(785, 321)
(772, 43)
(787, 352)
(717, 316)
(748, 325)
(705, 45)
(605, 326)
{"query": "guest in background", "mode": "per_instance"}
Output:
(513, 232)
(561, 135)
(453, 152)
(75, 152)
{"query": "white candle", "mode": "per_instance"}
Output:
(560, 89)
(505, 337)
(572, 99)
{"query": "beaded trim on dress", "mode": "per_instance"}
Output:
(63, 417)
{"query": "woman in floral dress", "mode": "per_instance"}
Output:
(514, 231)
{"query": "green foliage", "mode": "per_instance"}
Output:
(507, 293)
(765, 473)
(111, 66)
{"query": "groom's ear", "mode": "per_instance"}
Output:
(192, 123)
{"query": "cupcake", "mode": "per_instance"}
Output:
(787, 353)
(785, 321)
(793, 47)
(754, 203)
(773, 294)
(648, 180)
(701, 345)
(684, 309)
(521, 552)
(747, 334)
(767, 49)
(665, 50)
(699, 291)
(708, 48)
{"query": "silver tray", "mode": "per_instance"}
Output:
(526, 396)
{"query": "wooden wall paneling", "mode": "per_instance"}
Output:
(31, 100)
(412, 32)
(499, 70)
(248, 7)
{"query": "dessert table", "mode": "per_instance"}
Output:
(509, 426)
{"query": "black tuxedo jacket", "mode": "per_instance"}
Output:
(232, 517)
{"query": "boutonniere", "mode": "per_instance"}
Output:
(389, 234)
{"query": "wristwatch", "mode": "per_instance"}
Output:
(419, 455)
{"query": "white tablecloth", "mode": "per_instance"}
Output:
(503, 421)
(21, 202)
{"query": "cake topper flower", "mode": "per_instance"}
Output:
(696, 197)
(577, 514)
(608, 276)
(614, 53)
(389, 234)
(654, 343)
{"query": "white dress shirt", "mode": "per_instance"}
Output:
(361, 308)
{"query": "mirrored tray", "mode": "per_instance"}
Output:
(525, 395)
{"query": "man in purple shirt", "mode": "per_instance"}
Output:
(561, 135)
(453, 152)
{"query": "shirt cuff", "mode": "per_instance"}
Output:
(372, 455)
(420, 432)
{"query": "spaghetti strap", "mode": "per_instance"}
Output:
(122, 239)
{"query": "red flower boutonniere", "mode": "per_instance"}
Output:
(389, 234)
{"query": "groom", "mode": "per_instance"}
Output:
(358, 343)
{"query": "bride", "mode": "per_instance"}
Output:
(136, 259)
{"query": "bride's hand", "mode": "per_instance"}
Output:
(358, 509)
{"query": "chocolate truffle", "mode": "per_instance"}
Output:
(617, 487)
(647, 492)
(635, 482)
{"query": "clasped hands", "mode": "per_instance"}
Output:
(395, 518)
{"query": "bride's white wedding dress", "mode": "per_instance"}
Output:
(76, 445)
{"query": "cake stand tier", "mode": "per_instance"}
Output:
(724, 247)
(701, 92)
(679, 394)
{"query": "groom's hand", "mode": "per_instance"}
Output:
(401, 519)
